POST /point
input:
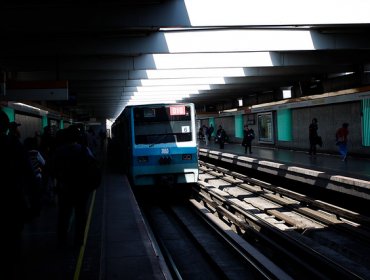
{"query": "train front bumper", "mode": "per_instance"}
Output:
(151, 175)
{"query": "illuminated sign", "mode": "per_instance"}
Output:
(177, 110)
(185, 129)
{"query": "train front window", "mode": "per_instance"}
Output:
(162, 124)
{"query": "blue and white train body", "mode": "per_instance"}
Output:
(159, 143)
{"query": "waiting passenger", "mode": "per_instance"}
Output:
(313, 136)
(17, 197)
(200, 133)
(221, 136)
(341, 140)
(71, 171)
(248, 138)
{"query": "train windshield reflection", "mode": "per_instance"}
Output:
(162, 124)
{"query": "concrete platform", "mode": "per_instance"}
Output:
(118, 245)
(328, 171)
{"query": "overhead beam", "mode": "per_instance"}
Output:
(73, 75)
(136, 75)
(187, 61)
(191, 41)
(184, 13)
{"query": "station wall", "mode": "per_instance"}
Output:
(330, 117)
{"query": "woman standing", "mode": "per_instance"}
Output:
(221, 136)
(341, 138)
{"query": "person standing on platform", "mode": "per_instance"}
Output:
(221, 136)
(313, 136)
(248, 138)
(72, 172)
(18, 198)
(341, 140)
(200, 133)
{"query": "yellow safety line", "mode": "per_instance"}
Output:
(82, 250)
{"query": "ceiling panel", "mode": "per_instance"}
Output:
(104, 48)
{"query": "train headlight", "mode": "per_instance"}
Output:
(186, 157)
(142, 159)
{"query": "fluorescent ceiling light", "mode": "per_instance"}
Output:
(156, 96)
(230, 110)
(272, 12)
(212, 60)
(144, 98)
(149, 102)
(185, 81)
(156, 93)
(335, 75)
(27, 106)
(168, 88)
(195, 73)
(240, 40)
(287, 93)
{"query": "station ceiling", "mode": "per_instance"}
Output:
(119, 52)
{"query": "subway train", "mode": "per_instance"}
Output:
(158, 144)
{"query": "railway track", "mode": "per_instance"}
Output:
(195, 246)
(307, 237)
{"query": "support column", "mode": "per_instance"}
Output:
(284, 125)
(366, 122)
(238, 126)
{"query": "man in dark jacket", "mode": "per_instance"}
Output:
(248, 138)
(313, 136)
(18, 199)
(221, 136)
(71, 169)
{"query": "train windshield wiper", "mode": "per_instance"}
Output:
(158, 141)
